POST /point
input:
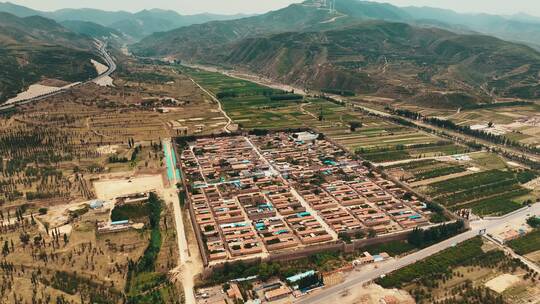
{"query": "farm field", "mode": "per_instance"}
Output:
(526, 244)
(249, 104)
(252, 107)
(518, 122)
(93, 130)
(468, 270)
(491, 192)
(425, 170)
(482, 181)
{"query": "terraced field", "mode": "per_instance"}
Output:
(255, 106)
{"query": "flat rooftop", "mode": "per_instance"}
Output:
(254, 195)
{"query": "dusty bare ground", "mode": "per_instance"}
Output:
(194, 253)
(101, 68)
(110, 189)
(534, 256)
(534, 184)
(371, 294)
(36, 90)
(97, 122)
(100, 258)
(502, 282)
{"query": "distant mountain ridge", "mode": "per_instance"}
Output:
(518, 28)
(192, 41)
(363, 46)
(393, 59)
(348, 12)
(136, 25)
(92, 29)
(35, 47)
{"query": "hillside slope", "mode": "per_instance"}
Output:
(196, 40)
(523, 30)
(361, 47)
(393, 59)
(36, 47)
(91, 29)
(135, 25)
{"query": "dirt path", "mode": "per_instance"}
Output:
(333, 19)
(411, 160)
(304, 111)
(533, 266)
(185, 270)
(220, 106)
(92, 130)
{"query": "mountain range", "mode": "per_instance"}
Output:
(364, 46)
(420, 54)
(34, 47)
(132, 25)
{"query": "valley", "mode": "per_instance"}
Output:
(340, 150)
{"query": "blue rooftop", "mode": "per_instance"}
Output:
(300, 276)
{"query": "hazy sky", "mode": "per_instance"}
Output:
(505, 7)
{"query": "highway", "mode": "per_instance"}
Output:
(356, 279)
(110, 62)
(102, 48)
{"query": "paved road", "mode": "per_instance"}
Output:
(356, 279)
(110, 63)
(511, 252)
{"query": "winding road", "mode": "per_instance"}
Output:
(102, 48)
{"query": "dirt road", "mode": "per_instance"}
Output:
(220, 106)
(185, 270)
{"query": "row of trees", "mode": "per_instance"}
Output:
(423, 238)
(534, 221)
(450, 125)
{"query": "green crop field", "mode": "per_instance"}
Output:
(493, 192)
(526, 244)
(427, 169)
(254, 106)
